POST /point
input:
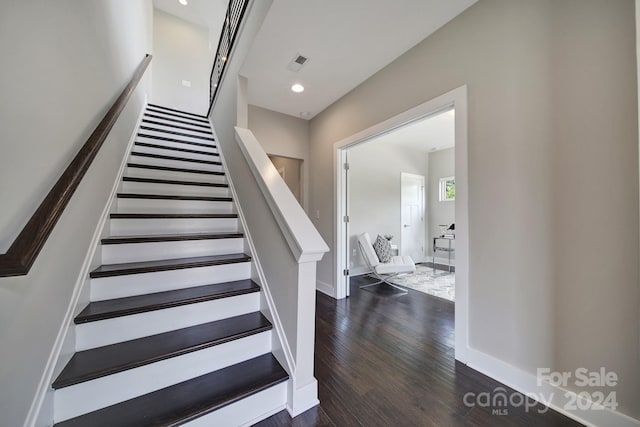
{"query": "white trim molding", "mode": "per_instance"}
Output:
(325, 288)
(456, 98)
(556, 398)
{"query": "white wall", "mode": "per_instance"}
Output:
(374, 191)
(441, 165)
(64, 64)
(283, 135)
(180, 52)
(553, 118)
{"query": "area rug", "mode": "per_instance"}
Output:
(441, 284)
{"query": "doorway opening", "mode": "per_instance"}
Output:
(412, 215)
(290, 169)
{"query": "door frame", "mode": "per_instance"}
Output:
(424, 215)
(457, 98)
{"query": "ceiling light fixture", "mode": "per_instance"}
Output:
(297, 88)
(183, 2)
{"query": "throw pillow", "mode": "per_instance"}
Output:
(383, 249)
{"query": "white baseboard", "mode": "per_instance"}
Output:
(47, 376)
(303, 399)
(552, 396)
(326, 288)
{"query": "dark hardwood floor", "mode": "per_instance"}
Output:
(387, 360)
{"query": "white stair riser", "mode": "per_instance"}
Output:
(169, 152)
(248, 411)
(146, 227)
(172, 206)
(170, 123)
(125, 328)
(162, 129)
(192, 137)
(128, 285)
(178, 176)
(92, 395)
(173, 189)
(177, 116)
(210, 149)
(138, 252)
(175, 163)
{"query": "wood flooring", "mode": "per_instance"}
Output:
(384, 359)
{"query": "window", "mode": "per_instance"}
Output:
(447, 188)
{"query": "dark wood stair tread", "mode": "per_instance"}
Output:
(114, 240)
(180, 403)
(182, 150)
(102, 361)
(109, 309)
(176, 110)
(175, 132)
(153, 122)
(202, 125)
(171, 215)
(110, 270)
(179, 159)
(174, 182)
(172, 197)
(172, 169)
(182, 116)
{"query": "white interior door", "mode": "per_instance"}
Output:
(412, 214)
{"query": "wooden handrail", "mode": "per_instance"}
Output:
(23, 251)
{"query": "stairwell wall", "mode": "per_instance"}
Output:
(290, 282)
(180, 53)
(553, 176)
(64, 64)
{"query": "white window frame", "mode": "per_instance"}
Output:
(442, 189)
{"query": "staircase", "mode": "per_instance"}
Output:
(173, 333)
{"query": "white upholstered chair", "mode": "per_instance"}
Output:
(384, 270)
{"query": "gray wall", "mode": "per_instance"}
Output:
(374, 191)
(553, 119)
(441, 165)
(283, 135)
(65, 63)
(181, 52)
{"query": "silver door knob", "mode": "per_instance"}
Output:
(406, 225)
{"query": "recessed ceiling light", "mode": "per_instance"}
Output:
(183, 2)
(297, 88)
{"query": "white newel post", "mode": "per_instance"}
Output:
(304, 387)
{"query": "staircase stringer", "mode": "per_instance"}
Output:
(280, 349)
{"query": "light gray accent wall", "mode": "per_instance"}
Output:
(441, 165)
(65, 63)
(553, 119)
(374, 191)
(283, 135)
(181, 52)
